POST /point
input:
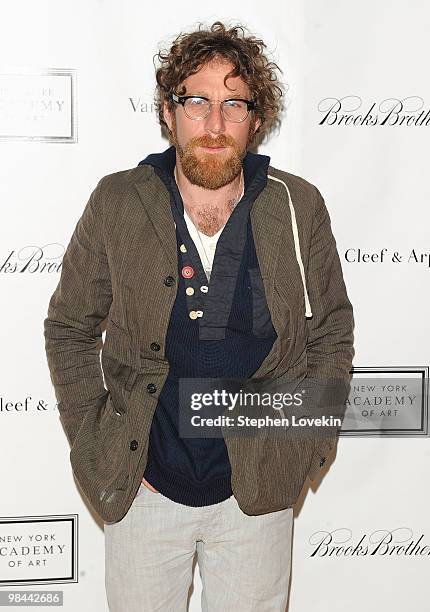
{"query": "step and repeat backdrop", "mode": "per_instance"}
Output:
(76, 103)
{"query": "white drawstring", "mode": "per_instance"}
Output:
(308, 311)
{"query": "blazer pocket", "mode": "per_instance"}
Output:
(262, 326)
(118, 326)
(111, 413)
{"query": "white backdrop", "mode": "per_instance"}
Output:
(363, 57)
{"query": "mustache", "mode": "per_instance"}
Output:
(203, 141)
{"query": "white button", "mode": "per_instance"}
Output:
(189, 291)
(193, 314)
(183, 248)
(199, 313)
(204, 288)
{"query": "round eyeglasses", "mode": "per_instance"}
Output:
(198, 107)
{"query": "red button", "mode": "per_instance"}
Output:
(187, 272)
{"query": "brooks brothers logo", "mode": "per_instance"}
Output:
(44, 259)
(387, 256)
(38, 549)
(390, 112)
(398, 542)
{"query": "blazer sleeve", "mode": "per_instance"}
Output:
(330, 340)
(72, 332)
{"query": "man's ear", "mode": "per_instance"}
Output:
(257, 124)
(167, 115)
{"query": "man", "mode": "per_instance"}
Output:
(208, 263)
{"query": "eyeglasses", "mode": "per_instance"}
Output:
(198, 107)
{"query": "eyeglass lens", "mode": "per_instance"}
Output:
(233, 110)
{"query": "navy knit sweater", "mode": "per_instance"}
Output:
(231, 340)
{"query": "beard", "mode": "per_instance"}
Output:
(210, 170)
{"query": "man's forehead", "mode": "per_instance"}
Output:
(211, 76)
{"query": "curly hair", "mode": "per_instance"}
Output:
(190, 51)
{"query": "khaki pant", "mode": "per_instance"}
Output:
(244, 561)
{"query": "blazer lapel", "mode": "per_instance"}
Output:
(156, 200)
(270, 217)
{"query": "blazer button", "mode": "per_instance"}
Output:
(322, 461)
(155, 346)
(169, 281)
(151, 388)
(133, 445)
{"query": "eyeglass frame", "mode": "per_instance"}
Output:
(251, 105)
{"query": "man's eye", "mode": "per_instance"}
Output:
(234, 103)
(196, 101)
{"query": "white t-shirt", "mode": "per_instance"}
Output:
(207, 254)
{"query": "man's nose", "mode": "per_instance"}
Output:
(215, 122)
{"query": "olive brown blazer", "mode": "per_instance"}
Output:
(120, 268)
